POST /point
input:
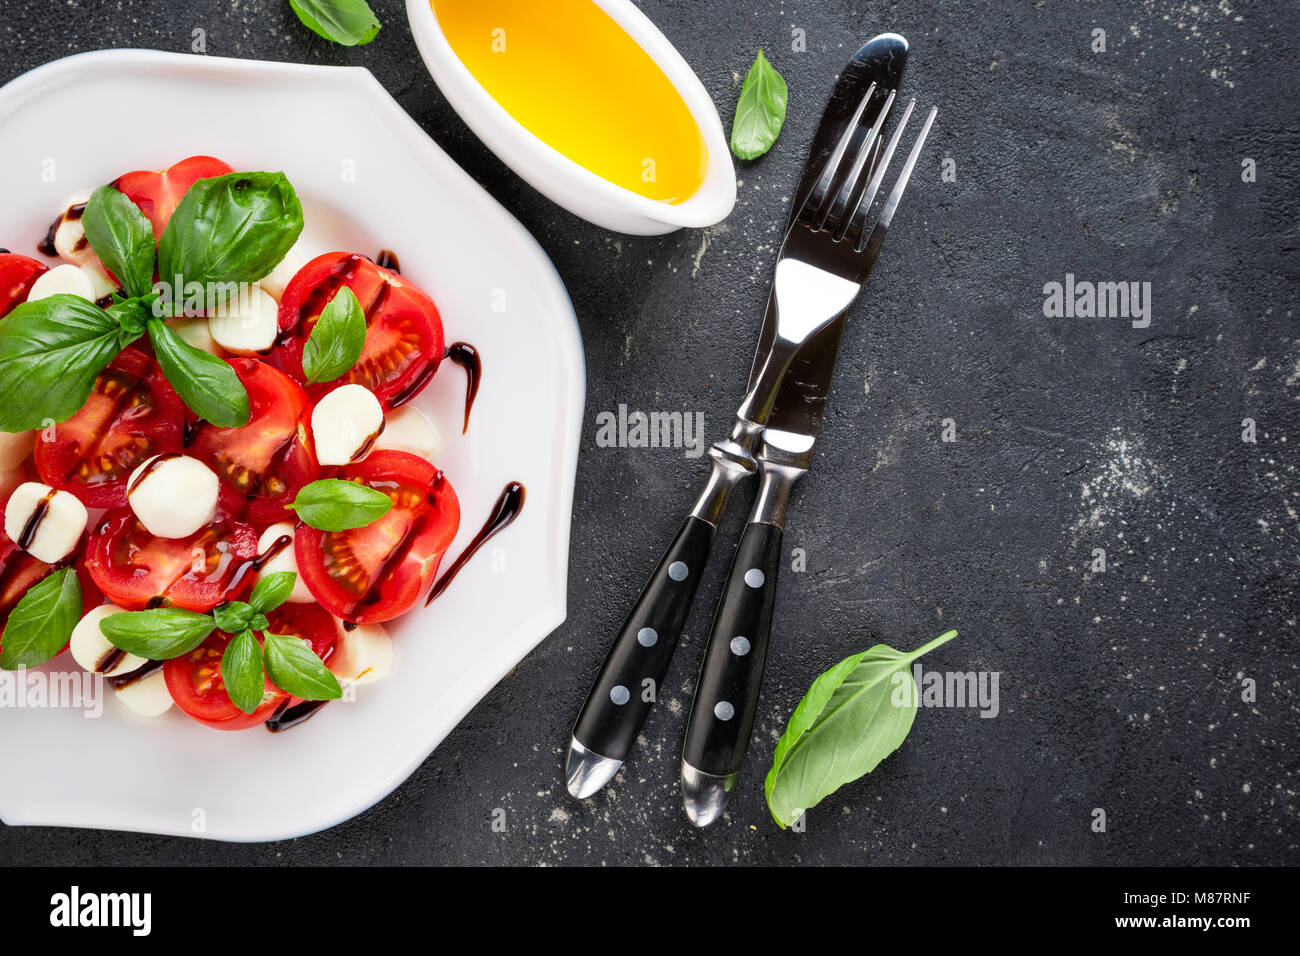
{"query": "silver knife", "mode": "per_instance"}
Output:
(634, 669)
(827, 257)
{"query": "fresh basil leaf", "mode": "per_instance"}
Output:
(122, 237)
(760, 112)
(226, 230)
(272, 590)
(332, 504)
(847, 723)
(349, 22)
(51, 351)
(294, 668)
(42, 621)
(241, 672)
(204, 382)
(158, 634)
(258, 622)
(336, 339)
(132, 317)
(233, 616)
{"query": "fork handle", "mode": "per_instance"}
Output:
(628, 682)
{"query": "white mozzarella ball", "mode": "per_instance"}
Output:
(363, 654)
(51, 521)
(284, 561)
(147, 696)
(274, 284)
(91, 649)
(246, 324)
(63, 280)
(345, 423)
(14, 448)
(195, 331)
(409, 429)
(173, 495)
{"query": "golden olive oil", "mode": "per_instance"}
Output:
(574, 78)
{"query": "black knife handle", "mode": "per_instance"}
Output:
(731, 676)
(620, 699)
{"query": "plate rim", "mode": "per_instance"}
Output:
(550, 611)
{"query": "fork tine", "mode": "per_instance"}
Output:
(872, 245)
(856, 221)
(833, 211)
(823, 185)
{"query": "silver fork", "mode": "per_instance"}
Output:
(812, 287)
(826, 258)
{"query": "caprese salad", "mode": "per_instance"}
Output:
(214, 491)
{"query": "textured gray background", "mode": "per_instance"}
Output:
(1119, 690)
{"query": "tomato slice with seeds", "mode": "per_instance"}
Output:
(17, 273)
(267, 461)
(137, 570)
(157, 193)
(377, 572)
(404, 341)
(131, 415)
(194, 681)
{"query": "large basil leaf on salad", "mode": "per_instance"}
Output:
(51, 351)
(229, 229)
(348, 22)
(334, 504)
(336, 340)
(159, 633)
(294, 668)
(847, 723)
(41, 623)
(241, 672)
(204, 382)
(120, 234)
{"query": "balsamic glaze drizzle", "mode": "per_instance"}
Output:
(506, 510)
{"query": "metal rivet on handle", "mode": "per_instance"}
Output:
(620, 695)
(754, 578)
(740, 646)
(678, 571)
(647, 636)
(723, 710)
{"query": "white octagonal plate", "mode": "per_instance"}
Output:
(369, 178)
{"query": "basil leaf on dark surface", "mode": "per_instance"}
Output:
(349, 22)
(120, 234)
(241, 672)
(42, 621)
(51, 351)
(204, 382)
(294, 668)
(336, 340)
(228, 229)
(847, 723)
(272, 590)
(159, 633)
(332, 504)
(760, 112)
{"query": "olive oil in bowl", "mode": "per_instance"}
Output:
(575, 79)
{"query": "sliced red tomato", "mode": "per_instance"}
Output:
(194, 681)
(17, 273)
(19, 571)
(157, 193)
(132, 414)
(137, 570)
(377, 572)
(403, 330)
(265, 462)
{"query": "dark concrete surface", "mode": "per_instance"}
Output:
(1120, 690)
